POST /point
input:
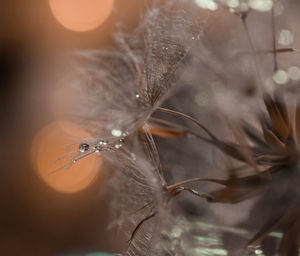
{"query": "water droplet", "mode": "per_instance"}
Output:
(207, 4)
(294, 73)
(258, 252)
(280, 77)
(83, 147)
(137, 96)
(261, 5)
(118, 145)
(116, 132)
(103, 142)
(74, 161)
(97, 148)
(285, 37)
(233, 3)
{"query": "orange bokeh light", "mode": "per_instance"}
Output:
(49, 146)
(81, 15)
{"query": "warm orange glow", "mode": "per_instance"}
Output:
(54, 141)
(81, 15)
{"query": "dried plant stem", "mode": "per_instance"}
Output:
(184, 182)
(173, 112)
(283, 50)
(182, 128)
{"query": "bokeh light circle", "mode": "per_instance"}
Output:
(81, 15)
(50, 151)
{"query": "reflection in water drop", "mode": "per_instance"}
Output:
(83, 147)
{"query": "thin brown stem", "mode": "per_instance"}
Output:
(173, 112)
(184, 182)
(176, 126)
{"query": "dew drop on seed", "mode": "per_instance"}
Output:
(97, 148)
(103, 142)
(118, 145)
(116, 132)
(83, 147)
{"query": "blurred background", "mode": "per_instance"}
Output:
(62, 213)
(65, 213)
